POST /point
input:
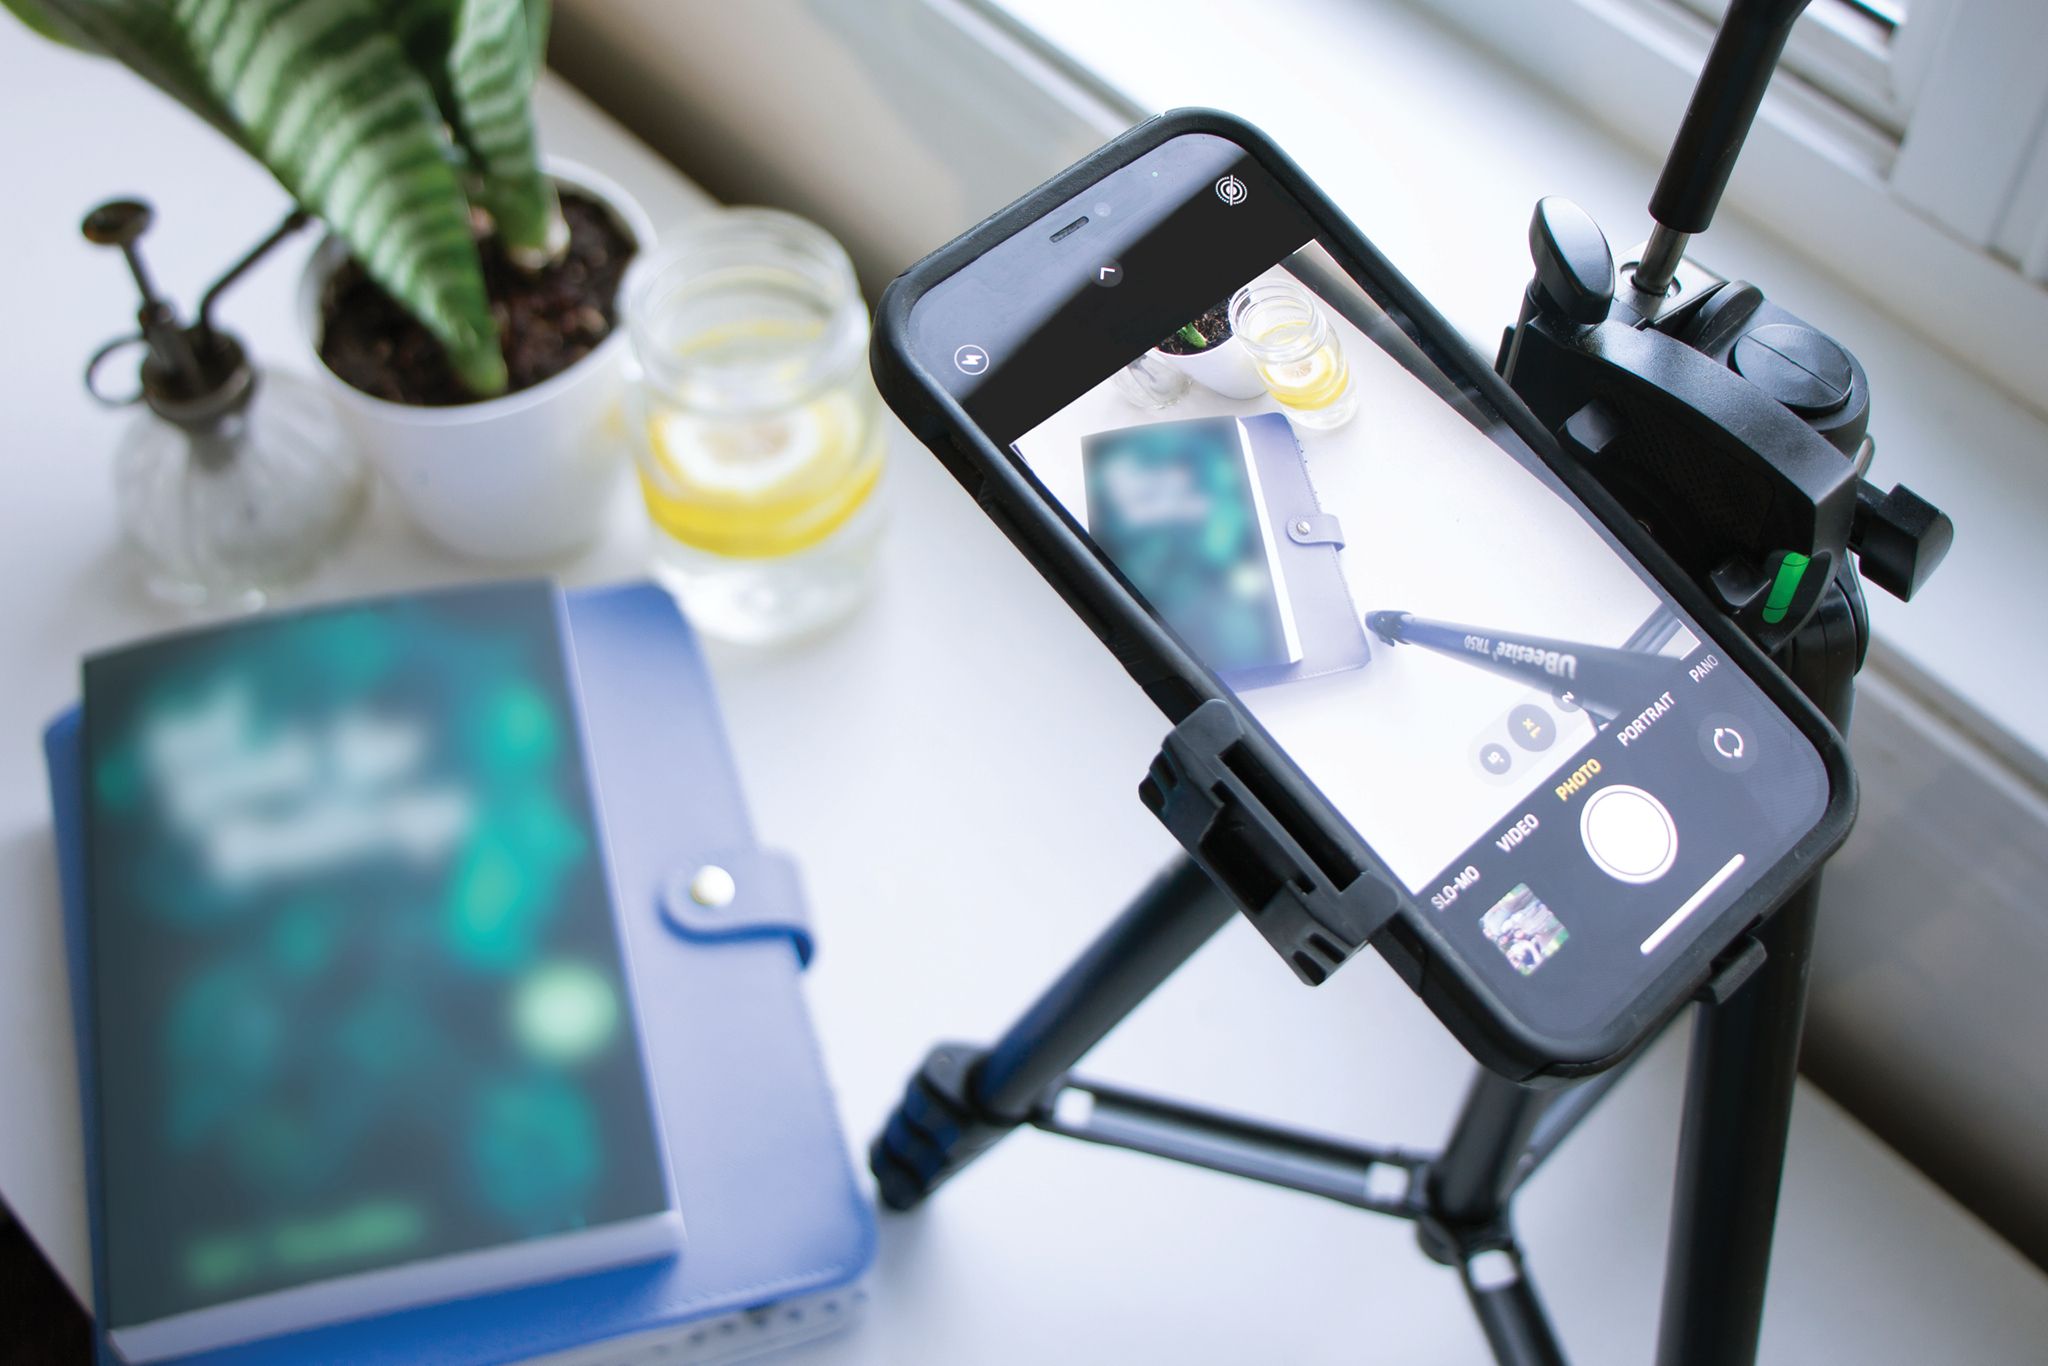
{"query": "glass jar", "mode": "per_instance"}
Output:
(1297, 353)
(756, 426)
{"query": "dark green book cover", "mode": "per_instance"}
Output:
(359, 1000)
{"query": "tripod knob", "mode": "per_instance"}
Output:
(1899, 538)
(1798, 366)
(1574, 268)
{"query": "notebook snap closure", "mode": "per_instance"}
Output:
(1316, 528)
(713, 887)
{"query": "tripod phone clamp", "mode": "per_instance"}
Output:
(1737, 435)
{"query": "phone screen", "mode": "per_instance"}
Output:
(1525, 728)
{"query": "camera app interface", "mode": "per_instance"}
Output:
(1523, 726)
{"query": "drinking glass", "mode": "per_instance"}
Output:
(756, 426)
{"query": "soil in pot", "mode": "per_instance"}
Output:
(1213, 327)
(547, 319)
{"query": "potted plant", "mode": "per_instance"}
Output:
(483, 328)
(1209, 353)
(523, 476)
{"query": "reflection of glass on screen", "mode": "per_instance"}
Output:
(1420, 749)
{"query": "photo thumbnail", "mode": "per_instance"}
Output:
(1523, 928)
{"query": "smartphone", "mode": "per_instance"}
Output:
(1267, 472)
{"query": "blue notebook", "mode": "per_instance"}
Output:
(1332, 634)
(1215, 522)
(756, 1158)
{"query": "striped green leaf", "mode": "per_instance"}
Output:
(482, 57)
(492, 66)
(340, 116)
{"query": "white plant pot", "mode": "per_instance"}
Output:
(524, 477)
(1226, 367)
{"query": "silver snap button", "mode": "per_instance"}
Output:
(713, 887)
(1301, 527)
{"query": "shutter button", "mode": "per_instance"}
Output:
(1628, 834)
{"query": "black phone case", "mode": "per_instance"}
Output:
(1340, 895)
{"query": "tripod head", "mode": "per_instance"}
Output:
(1733, 431)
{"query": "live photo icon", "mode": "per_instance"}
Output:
(1230, 190)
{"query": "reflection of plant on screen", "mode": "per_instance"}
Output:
(1212, 328)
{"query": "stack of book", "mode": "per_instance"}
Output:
(434, 1000)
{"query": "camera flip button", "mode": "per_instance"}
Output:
(1728, 742)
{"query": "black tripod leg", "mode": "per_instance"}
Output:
(1465, 1222)
(1739, 1083)
(963, 1099)
(1469, 1184)
(1507, 1308)
(1731, 1153)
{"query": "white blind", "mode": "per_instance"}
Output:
(1845, 48)
(1972, 154)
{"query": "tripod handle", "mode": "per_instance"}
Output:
(1717, 121)
(1724, 104)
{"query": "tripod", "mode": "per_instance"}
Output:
(1751, 476)
(1738, 1104)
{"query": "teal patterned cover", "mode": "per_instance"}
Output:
(357, 987)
